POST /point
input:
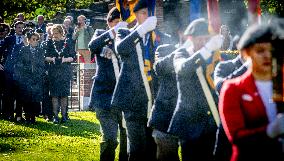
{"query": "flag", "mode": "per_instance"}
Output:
(213, 16)
(125, 8)
(194, 10)
(151, 45)
(254, 11)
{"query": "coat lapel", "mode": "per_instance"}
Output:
(251, 92)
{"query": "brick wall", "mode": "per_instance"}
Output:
(87, 71)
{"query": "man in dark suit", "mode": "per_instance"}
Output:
(196, 116)
(12, 45)
(40, 23)
(102, 48)
(134, 90)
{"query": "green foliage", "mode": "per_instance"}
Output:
(77, 139)
(30, 7)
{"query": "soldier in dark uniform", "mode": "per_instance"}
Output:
(60, 55)
(107, 65)
(134, 90)
(29, 70)
(165, 103)
(226, 70)
(196, 117)
(12, 45)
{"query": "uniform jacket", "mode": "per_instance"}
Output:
(29, 72)
(166, 99)
(192, 118)
(88, 33)
(104, 79)
(227, 70)
(244, 119)
(130, 91)
(11, 53)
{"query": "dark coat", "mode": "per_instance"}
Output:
(60, 74)
(192, 118)
(166, 99)
(29, 72)
(104, 79)
(227, 70)
(130, 91)
(11, 53)
(43, 27)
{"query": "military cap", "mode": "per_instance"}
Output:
(113, 14)
(255, 34)
(197, 27)
(140, 5)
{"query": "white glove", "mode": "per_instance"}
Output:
(106, 53)
(121, 24)
(214, 43)
(147, 26)
(276, 127)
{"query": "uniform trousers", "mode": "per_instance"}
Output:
(110, 121)
(140, 143)
(167, 146)
(9, 96)
(198, 149)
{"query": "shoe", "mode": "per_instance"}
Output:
(55, 121)
(63, 120)
(32, 120)
(20, 120)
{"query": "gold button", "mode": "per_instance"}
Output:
(208, 113)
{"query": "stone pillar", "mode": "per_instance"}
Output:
(87, 71)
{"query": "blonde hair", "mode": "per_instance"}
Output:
(81, 16)
(59, 28)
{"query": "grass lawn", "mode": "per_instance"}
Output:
(77, 139)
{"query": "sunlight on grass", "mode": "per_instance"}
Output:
(77, 139)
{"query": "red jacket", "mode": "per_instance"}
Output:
(244, 118)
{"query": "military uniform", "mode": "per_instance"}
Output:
(165, 103)
(101, 95)
(225, 70)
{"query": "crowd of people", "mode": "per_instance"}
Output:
(36, 66)
(157, 95)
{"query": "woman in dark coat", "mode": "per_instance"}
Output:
(60, 55)
(29, 71)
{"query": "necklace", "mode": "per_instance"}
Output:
(62, 49)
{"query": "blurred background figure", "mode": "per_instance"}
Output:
(82, 35)
(40, 23)
(228, 40)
